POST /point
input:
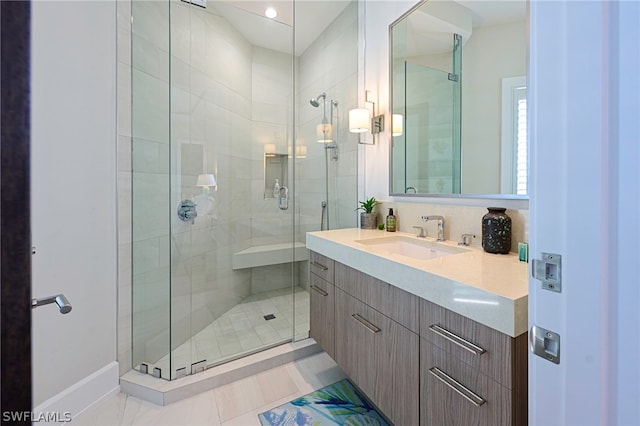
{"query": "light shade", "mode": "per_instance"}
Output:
(359, 120)
(206, 180)
(396, 125)
(324, 133)
(301, 151)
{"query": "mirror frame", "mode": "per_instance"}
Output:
(425, 195)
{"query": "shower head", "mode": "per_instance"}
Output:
(315, 102)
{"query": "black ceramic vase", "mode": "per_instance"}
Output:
(496, 231)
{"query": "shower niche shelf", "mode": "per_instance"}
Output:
(276, 168)
(271, 254)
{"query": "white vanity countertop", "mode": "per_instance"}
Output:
(489, 288)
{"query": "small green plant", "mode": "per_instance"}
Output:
(381, 227)
(368, 205)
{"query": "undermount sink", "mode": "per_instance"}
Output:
(411, 247)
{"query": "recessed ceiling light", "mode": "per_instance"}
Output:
(270, 13)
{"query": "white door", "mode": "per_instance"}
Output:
(584, 106)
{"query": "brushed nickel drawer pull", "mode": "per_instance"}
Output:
(467, 394)
(372, 328)
(319, 290)
(319, 265)
(454, 338)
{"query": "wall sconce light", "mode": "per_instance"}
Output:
(206, 181)
(396, 124)
(359, 121)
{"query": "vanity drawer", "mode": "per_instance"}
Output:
(322, 315)
(393, 302)
(321, 266)
(456, 394)
(483, 348)
(380, 356)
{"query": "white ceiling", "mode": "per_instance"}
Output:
(495, 12)
(430, 27)
(311, 18)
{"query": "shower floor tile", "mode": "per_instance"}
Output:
(243, 330)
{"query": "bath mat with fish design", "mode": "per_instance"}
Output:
(337, 404)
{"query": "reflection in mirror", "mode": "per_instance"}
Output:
(457, 80)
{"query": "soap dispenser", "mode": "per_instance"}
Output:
(391, 222)
(276, 189)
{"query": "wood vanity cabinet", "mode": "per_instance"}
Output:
(470, 374)
(419, 363)
(322, 295)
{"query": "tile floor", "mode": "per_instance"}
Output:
(243, 330)
(237, 403)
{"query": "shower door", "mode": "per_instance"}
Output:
(214, 276)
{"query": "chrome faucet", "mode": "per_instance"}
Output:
(466, 239)
(421, 234)
(440, 220)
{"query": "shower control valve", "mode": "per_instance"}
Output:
(187, 211)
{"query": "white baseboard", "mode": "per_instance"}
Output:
(81, 396)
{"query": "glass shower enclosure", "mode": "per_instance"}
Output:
(227, 176)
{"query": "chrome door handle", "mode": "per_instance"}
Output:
(63, 303)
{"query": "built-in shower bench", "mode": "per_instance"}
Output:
(270, 254)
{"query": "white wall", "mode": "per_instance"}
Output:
(74, 201)
(492, 53)
(373, 160)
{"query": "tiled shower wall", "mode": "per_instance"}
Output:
(272, 133)
(329, 65)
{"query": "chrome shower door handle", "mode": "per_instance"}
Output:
(283, 198)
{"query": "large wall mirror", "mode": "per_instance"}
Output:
(458, 97)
